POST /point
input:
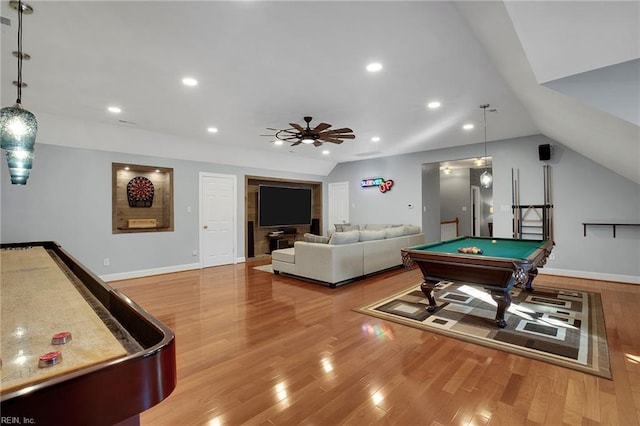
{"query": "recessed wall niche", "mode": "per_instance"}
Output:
(142, 198)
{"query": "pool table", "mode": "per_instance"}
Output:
(502, 263)
(117, 361)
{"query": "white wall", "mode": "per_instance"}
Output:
(582, 191)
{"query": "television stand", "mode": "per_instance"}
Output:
(281, 240)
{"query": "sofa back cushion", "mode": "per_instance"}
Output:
(346, 237)
(370, 235)
(312, 238)
(411, 229)
(396, 231)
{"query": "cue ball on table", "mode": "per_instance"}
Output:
(493, 241)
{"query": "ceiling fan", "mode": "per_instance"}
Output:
(316, 136)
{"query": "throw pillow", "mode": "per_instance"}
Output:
(374, 226)
(346, 237)
(340, 227)
(312, 238)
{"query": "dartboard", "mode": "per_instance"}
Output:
(140, 192)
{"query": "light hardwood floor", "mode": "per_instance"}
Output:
(257, 348)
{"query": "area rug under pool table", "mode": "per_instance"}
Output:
(563, 327)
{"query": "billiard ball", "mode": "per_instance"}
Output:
(493, 241)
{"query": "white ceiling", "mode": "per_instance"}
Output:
(268, 63)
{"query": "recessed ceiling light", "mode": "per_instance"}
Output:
(433, 105)
(326, 152)
(114, 109)
(468, 126)
(189, 81)
(212, 130)
(277, 142)
(374, 67)
(375, 139)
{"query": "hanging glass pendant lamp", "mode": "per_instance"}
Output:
(486, 180)
(18, 127)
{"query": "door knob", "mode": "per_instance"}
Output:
(206, 227)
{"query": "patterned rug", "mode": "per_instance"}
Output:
(563, 327)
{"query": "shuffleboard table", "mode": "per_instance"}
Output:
(498, 265)
(113, 361)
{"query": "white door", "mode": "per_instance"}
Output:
(217, 219)
(338, 203)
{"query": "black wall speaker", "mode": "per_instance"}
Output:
(315, 226)
(250, 240)
(544, 152)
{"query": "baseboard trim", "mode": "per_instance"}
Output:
(156, 271)
(148, 272)
(628, 279)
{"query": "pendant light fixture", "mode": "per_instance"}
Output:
(18, 127)
(485, 178)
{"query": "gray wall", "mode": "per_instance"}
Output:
(67, 199)
(582, 191)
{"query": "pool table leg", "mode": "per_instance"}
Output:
(533, 272)
(503, 299)
(427, 288)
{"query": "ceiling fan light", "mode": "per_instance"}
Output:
(307, 140)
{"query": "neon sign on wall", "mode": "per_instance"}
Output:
(383, 185)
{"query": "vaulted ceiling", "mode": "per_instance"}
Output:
(568, 70)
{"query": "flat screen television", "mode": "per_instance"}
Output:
(283, 206)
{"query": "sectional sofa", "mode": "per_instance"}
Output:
(347, 254)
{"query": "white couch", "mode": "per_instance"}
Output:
(348, 255)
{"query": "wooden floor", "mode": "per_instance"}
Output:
(257, 348)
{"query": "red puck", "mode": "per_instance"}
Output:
(49, 359)
(60, 338)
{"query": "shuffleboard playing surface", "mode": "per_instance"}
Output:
(38, 300)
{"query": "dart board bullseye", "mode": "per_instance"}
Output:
(140, 192)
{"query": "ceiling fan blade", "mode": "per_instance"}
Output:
(320, 127)
(317, 143)
(332, 140)
(335, 135)
(343, 130)
(296, 143)
(297, 127)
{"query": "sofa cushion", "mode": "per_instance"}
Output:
(411, 229)
(370, 234)
(346, 237)
(284, 255)
(394, 232)
(312, 238)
